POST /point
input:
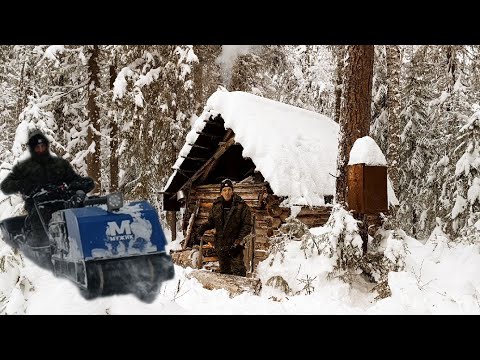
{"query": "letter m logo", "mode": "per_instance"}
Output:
(124, 228)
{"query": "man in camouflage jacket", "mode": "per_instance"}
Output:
(232, 219)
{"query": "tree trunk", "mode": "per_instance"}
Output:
(355, 116)
(198, 78)
(451, 66)
(340, 55)
(93, 138)
(393, 108)
(113, 135)
(356, 109)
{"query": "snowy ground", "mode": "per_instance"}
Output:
(440, 278)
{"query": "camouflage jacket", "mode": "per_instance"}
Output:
(232, 229)
(28, 175)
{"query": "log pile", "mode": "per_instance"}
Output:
(185, 258)
(235, 285)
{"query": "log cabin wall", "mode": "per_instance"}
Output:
(266, 212)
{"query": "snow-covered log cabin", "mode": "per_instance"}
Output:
(281, 159)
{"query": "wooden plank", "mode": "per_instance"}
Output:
(180, 171)
(216, 123)
(247, 196)
(313, 217)
(190, 226)
(235, 285)
(172, 223)
(261, 239)
(210, 258)
(229, 140)
(314, 211)
(213, 198)
(211, 188)
(193, 158)
(209, 135)
(355, 194)
(214, 158)
(237, 186)
(264, 232)
(261, 246)
(251, 250)
(199, 146)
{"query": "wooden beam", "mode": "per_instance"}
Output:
(199, 146)
(221, 149)
(184, 173)
(213, 123)
(210, 135)
(172, 223)
(191, 224)
(193, 158)
(228, 137)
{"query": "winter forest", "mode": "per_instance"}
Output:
(120, 114)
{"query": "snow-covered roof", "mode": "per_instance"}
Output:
(294, 149)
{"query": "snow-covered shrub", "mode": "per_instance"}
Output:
(14, 287)
(389, 255)
(342, 242)
(337, 252)
(292, 229)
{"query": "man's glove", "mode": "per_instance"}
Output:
(235, 249)
(49, 188)
(84, 183)
(62, 187)
(77, 199)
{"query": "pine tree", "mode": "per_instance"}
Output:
(393, 106)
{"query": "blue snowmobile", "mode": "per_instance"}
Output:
(104, 246)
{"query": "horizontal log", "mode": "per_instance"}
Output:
(260, 254)
(263, 224)
(284, 215)
(251, 203)
(313, 221)
(261, 239)
(235, 285)
(261, 246)
(274, 211)
(260, 214)
(271, 200)
(314, 211)
(264, 232)
(313, 218)
(247, 193)
(207, 205)
(186, 258)
(276, 222)
(210, 258)
(238, 186)
(256, 262)
(211, 198)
